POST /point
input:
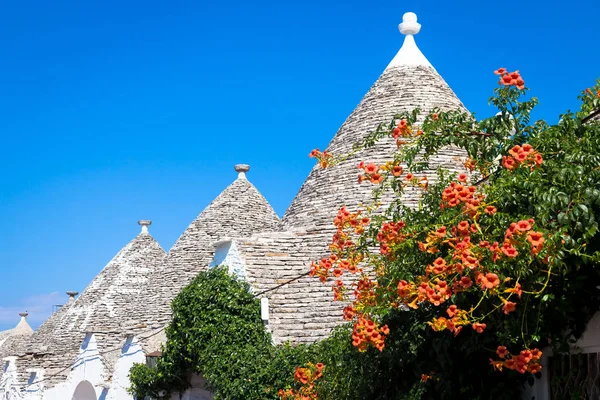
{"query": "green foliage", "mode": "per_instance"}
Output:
(217, 332)
(562, 196)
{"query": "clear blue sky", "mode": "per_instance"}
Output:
(114, 111)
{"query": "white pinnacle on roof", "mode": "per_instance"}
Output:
(409, 53)
(71, 294)
(241, 169)
(144, 223)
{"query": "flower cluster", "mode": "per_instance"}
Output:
(390, 235)
(465, 263)
(305, 377)
(402, 131)
(525, 361)
(510, 78)
(588, 92)
(469, 263)
(457, 319)
(459, 193)
(372, 173)
(324, 158)
(470, 164)
(367, 332)
(346, 223)
(375, 174)
(515, 235)
(522, 156)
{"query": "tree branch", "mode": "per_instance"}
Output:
(592, 115)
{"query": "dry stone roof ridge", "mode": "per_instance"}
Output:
(102, 307)
(38, 344)
(6, 333)
(43, 334)
(240, 210)
(13, 346)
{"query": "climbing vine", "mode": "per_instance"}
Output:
(506, 249)
(454, 297)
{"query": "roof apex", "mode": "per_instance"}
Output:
(241, 169)
(144, 223)
(409, 53)
(23, 327)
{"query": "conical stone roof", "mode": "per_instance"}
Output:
(11, 339)
(22, 328)
(408, 82)
(239, 211)
(102, 307)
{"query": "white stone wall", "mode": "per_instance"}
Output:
(588, 343)
(227, 253)
(88, 371)
(131, 353)
(9, 382)
(88, 367)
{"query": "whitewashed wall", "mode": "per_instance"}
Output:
(8, 383)
(87, 376)
(588, 343)
(87, 368)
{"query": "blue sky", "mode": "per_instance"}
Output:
(116, 111)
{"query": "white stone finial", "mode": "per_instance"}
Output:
(23, 315)
(241, 169)
(72, 295)
(144, 223)
(409, 54)
(409, 25)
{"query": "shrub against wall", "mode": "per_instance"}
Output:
(217, 332)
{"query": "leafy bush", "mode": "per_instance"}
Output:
(217, 332)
